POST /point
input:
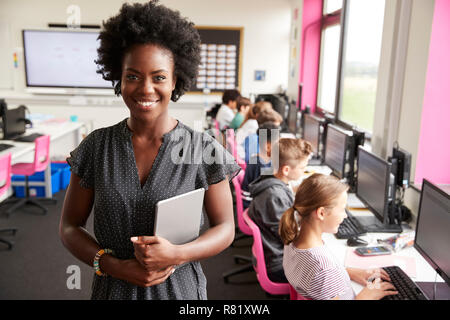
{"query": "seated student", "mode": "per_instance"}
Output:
(243, 105)
(258, 161)
(251, 141)
(227, 110)
(272, 197)
(250, 125)
(309, 265)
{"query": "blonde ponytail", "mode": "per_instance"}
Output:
(288, 228)
(314, 192)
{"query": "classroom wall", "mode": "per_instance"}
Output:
(265, 43)
(433, 152)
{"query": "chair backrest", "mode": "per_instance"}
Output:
(217, 127)
(240, 207)
(261, 271)
(294, 295)
(5, 173)
(41, 153)
(232, 145)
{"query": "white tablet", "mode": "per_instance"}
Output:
(177, 219)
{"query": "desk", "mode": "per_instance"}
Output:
(64, 137)
(424, 272)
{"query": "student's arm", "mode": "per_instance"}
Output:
(156, 252)
(72, 231)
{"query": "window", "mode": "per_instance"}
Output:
(362, 43)
(329, 55)
(332, 6)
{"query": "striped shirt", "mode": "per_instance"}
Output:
(316, 273)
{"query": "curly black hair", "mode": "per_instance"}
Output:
(149, 23)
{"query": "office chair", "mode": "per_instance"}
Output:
(266, 284)
(5, 182)
(232, 144)
(40, 163)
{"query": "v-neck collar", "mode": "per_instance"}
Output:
(165, 139)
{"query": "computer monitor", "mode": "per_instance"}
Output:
(433, 228)
(337, 145)
(375, 188)
(311, 132)
(292, 118)
(279, 103)
(13, 123)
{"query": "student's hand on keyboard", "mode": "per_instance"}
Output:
(377, 290)
(363, 276)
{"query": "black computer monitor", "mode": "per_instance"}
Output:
(311, 132)
(337, 144)
(292, 118)
(14, 123)
(433, 228)
(375, 188)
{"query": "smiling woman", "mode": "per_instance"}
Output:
(151, 55)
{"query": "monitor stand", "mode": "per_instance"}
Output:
(442, 290)
(372, 224)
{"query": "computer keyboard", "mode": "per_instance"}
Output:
(4, 146)
(350, 227)
(28, 138)
(407, 289)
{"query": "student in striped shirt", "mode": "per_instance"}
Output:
(309, 265)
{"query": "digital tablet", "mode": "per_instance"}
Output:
(177, 219)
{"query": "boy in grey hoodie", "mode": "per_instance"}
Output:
(272, 196)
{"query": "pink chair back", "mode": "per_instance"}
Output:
(232, 145)
(261, 271)
(5, 173)
(216, 126)
(294, 295)
(240, 208)
(41, 153)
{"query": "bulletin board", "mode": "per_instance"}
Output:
(221, 59)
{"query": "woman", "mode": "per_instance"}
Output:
(151, 55)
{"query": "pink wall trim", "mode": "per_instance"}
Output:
(310, 54)
(433, 159)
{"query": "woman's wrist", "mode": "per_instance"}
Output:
(351, 273)
(110, 265)
(180, 255)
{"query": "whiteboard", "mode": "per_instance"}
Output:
(62, 59)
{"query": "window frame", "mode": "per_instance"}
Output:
(339, 16)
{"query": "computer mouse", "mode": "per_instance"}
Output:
(356, 241)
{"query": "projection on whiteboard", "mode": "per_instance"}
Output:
(62, 59)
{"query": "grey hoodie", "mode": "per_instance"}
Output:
(271, 198)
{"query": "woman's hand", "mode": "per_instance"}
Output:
(132, 271)
(366, 276)
(155, 253)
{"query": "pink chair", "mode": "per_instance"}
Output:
(294, 295)
(40, 163)
(217, 127)
(5, 182)
(261, 272)
(232, 145)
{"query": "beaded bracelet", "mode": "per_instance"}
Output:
(97, 259)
